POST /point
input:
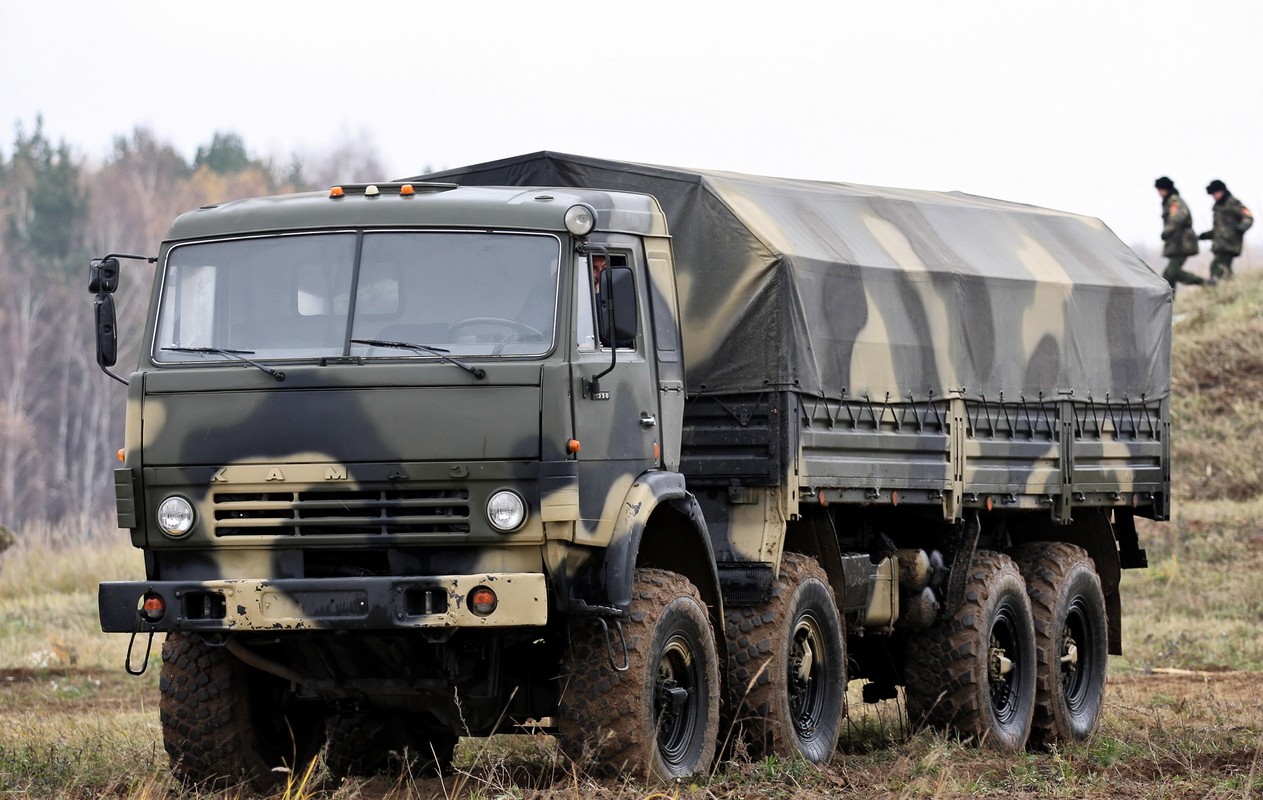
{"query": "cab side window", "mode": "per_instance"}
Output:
(585, 315)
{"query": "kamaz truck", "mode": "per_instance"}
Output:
(653, 459)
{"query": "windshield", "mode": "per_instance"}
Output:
(308, 296)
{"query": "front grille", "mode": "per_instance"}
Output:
(342, 511)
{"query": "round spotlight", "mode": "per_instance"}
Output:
(580, 219)
(175, 516)
(506, 510)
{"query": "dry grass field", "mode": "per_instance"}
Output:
(1183, 717)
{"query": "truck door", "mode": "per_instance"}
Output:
(617, 419)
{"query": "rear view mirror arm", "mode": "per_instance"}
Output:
(103, 274)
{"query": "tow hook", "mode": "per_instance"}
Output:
(127, 660)
(609, 645)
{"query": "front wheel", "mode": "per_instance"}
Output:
(787, 666)
(1070, 640)
(974, 673)
(224, 722)
(660, 717)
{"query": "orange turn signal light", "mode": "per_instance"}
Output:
(122, 455)
(482, 601)
(153, 607)
(572, 446)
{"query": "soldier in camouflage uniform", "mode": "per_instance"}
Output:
(1179, 241)
(1232, 220)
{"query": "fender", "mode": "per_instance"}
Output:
(690, 552)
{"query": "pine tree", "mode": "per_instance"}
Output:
(45, 205)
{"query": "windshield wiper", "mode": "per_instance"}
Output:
(237, 354)
(477, 372)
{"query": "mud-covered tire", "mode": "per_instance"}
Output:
(367, 743)
(659, 719)
(221, 724)
(1071, 640)
(973, 674)
(787, 667)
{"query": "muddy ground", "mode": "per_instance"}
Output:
(1165, 734)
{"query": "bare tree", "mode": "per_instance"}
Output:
(20, 306)
(61, 418)
(352, 159)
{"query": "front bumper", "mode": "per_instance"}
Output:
(381, 603)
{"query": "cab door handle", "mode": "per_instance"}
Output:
(648, 420)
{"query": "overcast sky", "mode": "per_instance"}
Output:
(1071, 104)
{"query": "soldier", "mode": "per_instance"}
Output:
(1232, 220)
(1179, 241)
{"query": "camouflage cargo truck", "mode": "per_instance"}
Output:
(404, 469)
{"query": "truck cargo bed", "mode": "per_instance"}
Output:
(958, 452)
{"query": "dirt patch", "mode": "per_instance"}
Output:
(1230, 688)
(72, 691)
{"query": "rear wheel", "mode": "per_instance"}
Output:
(787, 667)
(225, 723)
(974, 673)
(660, 717)
(1070, 640)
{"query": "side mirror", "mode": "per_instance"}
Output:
(106, 330)
(619, 321)
(103, 275)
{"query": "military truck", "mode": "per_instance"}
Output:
(655, 459)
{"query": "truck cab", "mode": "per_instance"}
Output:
(384, 438)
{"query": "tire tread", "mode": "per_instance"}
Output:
(602, 711)
(946, 665)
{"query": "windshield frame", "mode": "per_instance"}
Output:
(159, 356)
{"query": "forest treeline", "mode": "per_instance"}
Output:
(61, 418)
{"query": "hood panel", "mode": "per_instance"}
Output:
(342, 425)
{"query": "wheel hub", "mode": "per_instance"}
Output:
(1004, 667)
(1070, 653)
(805, 659)
(806, 664)
(675, 696)
(1001, 665)
(674, 701)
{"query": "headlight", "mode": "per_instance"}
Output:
(580, 219)
(175, 516)
(506, 510)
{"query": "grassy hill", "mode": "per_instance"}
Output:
(1198, 605)
(1217, 374)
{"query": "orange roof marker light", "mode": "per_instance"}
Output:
(375, 190)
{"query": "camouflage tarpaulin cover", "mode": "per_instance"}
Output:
(837, 288)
